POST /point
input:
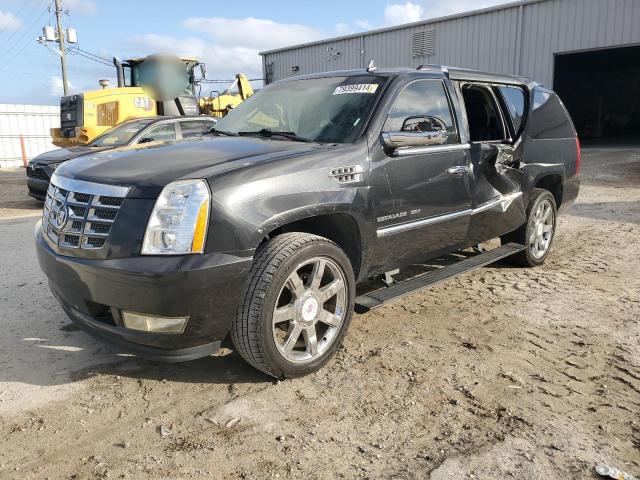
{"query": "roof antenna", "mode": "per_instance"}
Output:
(420, 67)
(372, 66)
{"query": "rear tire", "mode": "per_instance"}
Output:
(538, 233)
(297, 306)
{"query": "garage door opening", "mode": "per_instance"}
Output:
(601, 90)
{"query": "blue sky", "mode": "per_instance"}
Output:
(226, 35)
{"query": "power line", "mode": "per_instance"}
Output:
(94, 57)
(27, 31)
(24, 4)
(35, 9)
(90, 56)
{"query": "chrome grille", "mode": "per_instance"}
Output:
(80, 216)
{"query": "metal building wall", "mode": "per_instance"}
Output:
(32, 123)
(517, 38)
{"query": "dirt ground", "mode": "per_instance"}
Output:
(501, 373)
(14, 201)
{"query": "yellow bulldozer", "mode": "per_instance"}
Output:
(148, 86)
(218, 104)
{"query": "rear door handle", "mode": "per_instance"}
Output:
(457, 170)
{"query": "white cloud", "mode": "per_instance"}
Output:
(406, 13)
(441, 8)
(223, 61)
(9, 22)
(252, 32)
(55, 86)
(343, 29)
(229, 46)
(349, 28)
(85, 7)
(363, 24)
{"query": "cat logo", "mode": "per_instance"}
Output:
(143, 103)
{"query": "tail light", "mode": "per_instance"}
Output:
(578, 156)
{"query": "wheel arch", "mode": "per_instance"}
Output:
(339, 227)
(553, 183)
(550, 177)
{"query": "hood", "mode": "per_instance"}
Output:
(63, 154)
(149, 167)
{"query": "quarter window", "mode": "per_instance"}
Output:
(422, 106)
(514, 101)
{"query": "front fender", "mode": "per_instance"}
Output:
(240, 221)
(249, 202)
(306, 205)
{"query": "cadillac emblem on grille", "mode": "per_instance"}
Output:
(80, 214)
(60, 215)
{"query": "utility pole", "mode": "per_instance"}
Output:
(63, 59)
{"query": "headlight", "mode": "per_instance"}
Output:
(178, 223)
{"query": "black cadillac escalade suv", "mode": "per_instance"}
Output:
(261, 230)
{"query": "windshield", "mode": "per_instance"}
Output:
(331, 110)
(120, 135)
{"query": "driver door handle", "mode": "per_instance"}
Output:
(458, 170)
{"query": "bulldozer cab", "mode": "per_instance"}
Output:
(138, 72)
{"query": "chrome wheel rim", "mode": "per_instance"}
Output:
(310, 310)
(542, 229)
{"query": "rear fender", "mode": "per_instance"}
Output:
(534, 172)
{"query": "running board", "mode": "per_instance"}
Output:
(379, 297)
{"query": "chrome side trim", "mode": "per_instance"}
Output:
(81, 186)
(404, 151)
(385, 231)
(504, 201)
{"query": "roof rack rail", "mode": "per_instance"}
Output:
(430, 66)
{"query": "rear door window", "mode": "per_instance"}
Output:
(164, 131)
(483, 114)
(195, 128)
(514, 101)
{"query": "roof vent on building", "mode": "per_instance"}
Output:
(423, 43)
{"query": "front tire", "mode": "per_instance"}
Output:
(297, 306)
(537, 234)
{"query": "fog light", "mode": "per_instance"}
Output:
(149, 323)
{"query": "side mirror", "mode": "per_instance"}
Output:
(417, 131)
(146, 140)
(203, 71)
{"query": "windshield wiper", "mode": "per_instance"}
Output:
(215, 131)
(267, 132)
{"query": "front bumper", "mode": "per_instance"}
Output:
(38, 184)
(206, 288)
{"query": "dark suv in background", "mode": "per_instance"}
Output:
(132, 132)
(262, 230)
